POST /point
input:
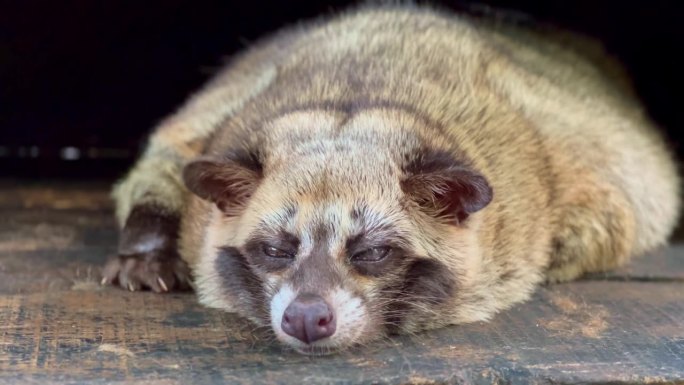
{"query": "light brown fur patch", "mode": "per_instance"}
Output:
(582, 181)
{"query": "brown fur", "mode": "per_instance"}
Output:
(338, 112)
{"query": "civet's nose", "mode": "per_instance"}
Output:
(308, 318)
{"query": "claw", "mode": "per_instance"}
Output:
(162, 284)
(130, 287)
(104, 281)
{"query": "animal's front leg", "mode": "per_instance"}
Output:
(148, 254)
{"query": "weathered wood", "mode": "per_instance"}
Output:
(666, 264)
(57, 325)
(55, 195)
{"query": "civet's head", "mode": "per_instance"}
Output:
(335, 240)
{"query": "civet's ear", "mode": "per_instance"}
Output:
(227, 181)
(445, 187)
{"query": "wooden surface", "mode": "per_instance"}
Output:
(57, 325)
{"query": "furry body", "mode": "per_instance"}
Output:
(481, 159)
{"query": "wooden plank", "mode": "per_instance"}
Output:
(57, 325)
(58, 195)
(52, 249)
(595, 332)
(666, 264)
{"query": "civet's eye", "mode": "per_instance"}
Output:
(375, 254)
(275, 252)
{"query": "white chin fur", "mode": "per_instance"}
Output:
(352, 320)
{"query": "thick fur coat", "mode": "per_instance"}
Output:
(411, 168)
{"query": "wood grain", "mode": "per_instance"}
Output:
(58, 326)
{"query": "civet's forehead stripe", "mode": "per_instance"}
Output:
(346, 110)
(321, 236)
(321, 228)
(331, 223)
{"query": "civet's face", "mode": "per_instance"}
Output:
(340, 246)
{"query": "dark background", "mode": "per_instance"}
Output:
(88, 79)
